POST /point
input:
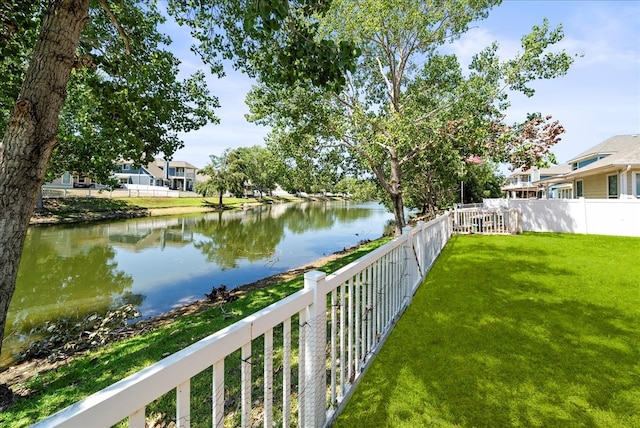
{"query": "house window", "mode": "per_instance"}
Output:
(636, 184)
(612, 186)
(579, 189)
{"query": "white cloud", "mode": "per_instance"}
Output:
(600, 95)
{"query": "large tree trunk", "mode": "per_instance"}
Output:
(30, 134)
(393, 187)
(396, 193)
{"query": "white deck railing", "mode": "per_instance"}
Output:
(486, 221)
(341, 320)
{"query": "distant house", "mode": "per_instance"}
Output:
(70, 180)
(177, 175)
(609, 170)
(181, 174)
(520, 184)
(552, 183)
(538, 183)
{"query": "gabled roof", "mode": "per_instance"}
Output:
(155, 170)
(555, 170)
(182, 164)
(609, 146)
(554, 175)
(520, 171)
(621, 159)
(173, 164)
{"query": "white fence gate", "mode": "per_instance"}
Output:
(486, 221)
(341, 320)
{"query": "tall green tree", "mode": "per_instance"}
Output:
(261, 168)
(405, 98)
(128, 104)
(226, 173)
(41, 68)
(482, 181)
(101, 71)
(358, 190)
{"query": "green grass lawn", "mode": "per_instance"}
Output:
(535, 330)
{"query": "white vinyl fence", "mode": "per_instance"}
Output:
(132, 191)
(620, 217)
(319, 340)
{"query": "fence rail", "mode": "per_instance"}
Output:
(320, 338)
(486, 221)
(133, 191)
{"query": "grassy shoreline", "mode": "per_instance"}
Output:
(63, 384)
(87, 209)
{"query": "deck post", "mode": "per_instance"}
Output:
(314, 383)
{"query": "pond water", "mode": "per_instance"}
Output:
(160, 263)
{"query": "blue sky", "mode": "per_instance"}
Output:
(598, 98)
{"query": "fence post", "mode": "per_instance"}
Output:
(313, 386)
(411, 262)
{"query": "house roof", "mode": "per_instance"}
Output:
(555, 170)
(621, 159)
(609, 146)
(554, 175)
(182, 164)
(520, 171)
(155, 170)
(173, 164)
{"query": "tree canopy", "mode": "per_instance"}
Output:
(124, 99)
(407, 107)
(100, 69)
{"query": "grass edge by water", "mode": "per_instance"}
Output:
(48, 392)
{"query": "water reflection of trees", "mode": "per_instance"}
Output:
(318, 216)
(254, 236)
(70, 282)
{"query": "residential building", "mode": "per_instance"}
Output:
(539, 183)
(69, 180)
(177, 175)
(552, 184)
(520, 184)
(609, 170)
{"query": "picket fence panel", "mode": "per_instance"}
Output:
(343, 319)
